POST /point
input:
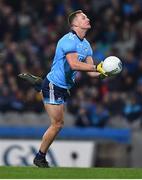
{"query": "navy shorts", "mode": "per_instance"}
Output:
(53, 94)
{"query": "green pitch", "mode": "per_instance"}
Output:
(69, 173)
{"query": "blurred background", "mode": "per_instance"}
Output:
(103, 119)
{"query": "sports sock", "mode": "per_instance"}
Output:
(40, 155)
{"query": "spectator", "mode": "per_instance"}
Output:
(28, 35)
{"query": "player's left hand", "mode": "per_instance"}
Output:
(100, 69)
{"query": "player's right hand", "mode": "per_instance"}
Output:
(100, 70)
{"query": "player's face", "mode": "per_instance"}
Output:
(83, 21)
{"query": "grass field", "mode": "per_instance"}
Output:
(69, 173)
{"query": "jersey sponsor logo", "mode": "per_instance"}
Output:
(81, 57)
(81, 48)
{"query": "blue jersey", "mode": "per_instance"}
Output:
(61, 73)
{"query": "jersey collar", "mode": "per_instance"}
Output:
(76, 35)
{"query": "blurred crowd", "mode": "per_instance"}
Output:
(29, 31)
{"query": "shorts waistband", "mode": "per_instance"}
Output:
(57, 87)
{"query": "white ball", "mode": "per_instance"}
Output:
(112, 65)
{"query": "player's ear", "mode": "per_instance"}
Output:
(75, 22)
(75, 25)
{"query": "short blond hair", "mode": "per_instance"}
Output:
(72, 16)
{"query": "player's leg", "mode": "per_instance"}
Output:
(36, 81)
(54, 98)
(56, 115)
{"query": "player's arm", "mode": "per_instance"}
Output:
(72, 59)
(69, 48)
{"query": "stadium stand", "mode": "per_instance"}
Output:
(27, 43)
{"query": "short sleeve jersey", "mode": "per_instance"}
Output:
(61, 73)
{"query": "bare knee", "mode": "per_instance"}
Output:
(58, 125)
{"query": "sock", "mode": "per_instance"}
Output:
(40, 155)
